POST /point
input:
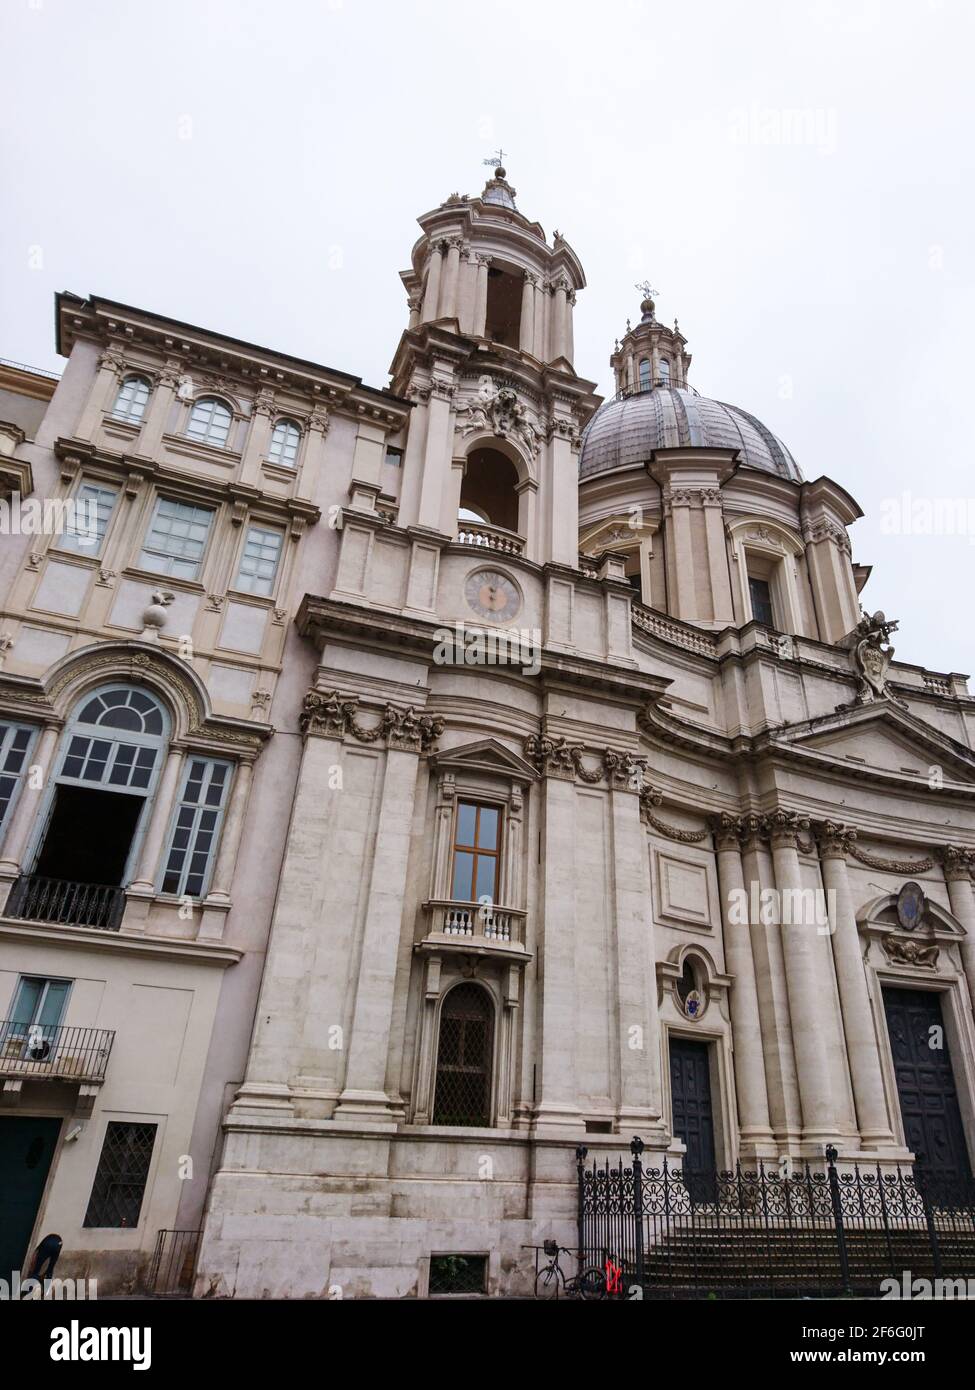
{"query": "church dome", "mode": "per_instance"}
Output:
(627, 429)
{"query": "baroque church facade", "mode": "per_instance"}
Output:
(432, 780)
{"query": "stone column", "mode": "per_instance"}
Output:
(233, 827)
(414, 304)
(682, 552)
(540, 323)
(527, 331)
(28, 803)
(773, 999)
(310, 458)
(563, 502)
(862, 1049)
(557, 1103)
(160, 404)
(437, 454)
(111, 370)
(639, 1102)
(958, 876)
(451, 279)
(569, 332)
(364, 1093)
(749, 1059)
(480, 296)
(162, 805)
(558, 319)
(258, 436)
(723, 609)
(805, 1004)
(431, 294)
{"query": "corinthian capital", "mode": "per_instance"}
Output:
(834, 839)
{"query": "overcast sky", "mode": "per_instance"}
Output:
(796, 180)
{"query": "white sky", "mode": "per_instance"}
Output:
(257, 168)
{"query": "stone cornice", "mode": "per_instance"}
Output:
(103, 320)
(96, 939)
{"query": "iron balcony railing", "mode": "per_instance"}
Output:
(34, 1050)
(36, 899)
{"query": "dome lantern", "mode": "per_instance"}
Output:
(649, 354)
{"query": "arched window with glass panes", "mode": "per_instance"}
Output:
(133, 395)
(90, 833)
(210, 421)
(285, 439)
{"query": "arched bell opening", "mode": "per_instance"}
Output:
(489, 492)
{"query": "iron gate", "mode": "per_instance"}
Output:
(801, 1233)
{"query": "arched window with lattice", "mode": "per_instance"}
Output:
(464, 1058)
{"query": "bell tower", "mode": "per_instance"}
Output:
(487, 359)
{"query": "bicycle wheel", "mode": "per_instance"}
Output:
(549, 1282)
(592, 1283)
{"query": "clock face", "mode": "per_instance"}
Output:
(492, 595)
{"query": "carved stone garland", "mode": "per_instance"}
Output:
(559, 758)
(650, 797)
(334, 715)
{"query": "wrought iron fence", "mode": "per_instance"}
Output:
(768, 1234)
(35, 1050)
(173, 1262)
(36, 899)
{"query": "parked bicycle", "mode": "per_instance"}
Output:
(551, 1281)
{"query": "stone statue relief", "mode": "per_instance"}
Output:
(873, 655)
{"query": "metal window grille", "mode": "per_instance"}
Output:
(123, 1169)
(458, 1274)
(463, 1094)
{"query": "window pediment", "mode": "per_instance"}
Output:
(486, 756)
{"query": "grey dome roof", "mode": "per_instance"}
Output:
(627, 430)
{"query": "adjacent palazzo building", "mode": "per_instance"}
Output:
(400, 914)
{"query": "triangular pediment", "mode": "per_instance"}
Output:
(487, 755)
(880, 737)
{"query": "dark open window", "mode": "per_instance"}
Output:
(488, 492)
(761, 596)
(464, 1058)
(504, 292)
(458, 1274)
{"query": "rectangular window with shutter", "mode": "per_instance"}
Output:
(196, 829)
